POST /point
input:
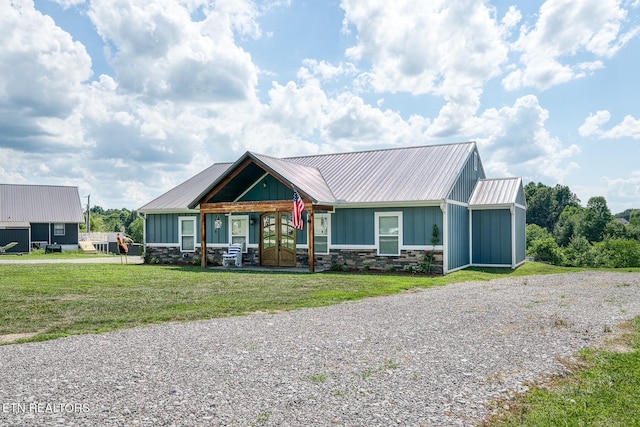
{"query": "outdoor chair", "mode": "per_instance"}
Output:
(5, 248)
(233, 254)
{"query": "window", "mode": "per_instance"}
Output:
(475, 160)
(321, 233)
(240, 230)
(187, 231)
(389, 232)
(58, 229)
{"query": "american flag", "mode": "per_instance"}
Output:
(298, 207)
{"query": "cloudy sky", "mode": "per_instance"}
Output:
(127, 98)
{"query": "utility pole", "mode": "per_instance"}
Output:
(89, 213)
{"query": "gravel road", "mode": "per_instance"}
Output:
(435, 357)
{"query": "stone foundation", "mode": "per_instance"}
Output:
(362, 260)
(343, 259)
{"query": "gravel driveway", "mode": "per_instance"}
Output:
(427, 357)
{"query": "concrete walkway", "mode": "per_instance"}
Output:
(89, 260)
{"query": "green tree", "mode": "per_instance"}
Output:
(545, 204)
(595, 219)
(567, 224)
(135, 230)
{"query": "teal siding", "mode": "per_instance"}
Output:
(214, 236)
(458, 237)
(492, 237)
(520, 199)
(163, 228)
(467, 180)
(418, 224)
(521, 240)
(40, 232)
(353, 227)
(275, 190)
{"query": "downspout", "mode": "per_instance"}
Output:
(445, 238)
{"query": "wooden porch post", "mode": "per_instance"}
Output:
(310, 240)
(203, 239)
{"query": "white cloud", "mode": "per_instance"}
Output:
(626, 189)
(592, 126)
(446, 49)
(566, 29)
(515, 138)
(42, 71)
(159, 51)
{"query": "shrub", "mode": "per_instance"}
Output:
(580, 253)
(546, 249)
(622, 252)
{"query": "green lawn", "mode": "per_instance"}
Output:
(52, 300)
(607, 393)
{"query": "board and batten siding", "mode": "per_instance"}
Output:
(467, 179)
(18, 235)
(457, 237)
(163, 228)
(267, 188)
(491, 240)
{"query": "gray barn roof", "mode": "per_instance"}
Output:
(178, 198)
(413, 174)
(496, 192)
(40, 204)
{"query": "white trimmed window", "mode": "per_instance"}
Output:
(388, 232)
(322, 231)
(240, 230)
(187, 233)
(58, 229)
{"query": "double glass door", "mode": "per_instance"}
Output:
(277, 240)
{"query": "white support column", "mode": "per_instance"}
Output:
(470, 237)
(513, 236)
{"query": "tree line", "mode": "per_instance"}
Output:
(114, 220)
(562, 232)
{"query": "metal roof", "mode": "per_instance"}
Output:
(40, 203)
(424, 173)
(178, 198)
(307, 179)
(413, 174)
(493, 192)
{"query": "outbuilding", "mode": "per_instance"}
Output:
(35, 216)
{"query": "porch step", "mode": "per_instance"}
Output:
(87, 247)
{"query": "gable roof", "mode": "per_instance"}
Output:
(40, 204)
(422, 173)
(178, 198)
(496, 192)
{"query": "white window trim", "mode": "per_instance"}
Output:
(246, 235)
(63, 229)
(195, 232)
(377, 231)
(328, 216)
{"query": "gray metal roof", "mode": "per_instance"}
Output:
(307, 179)
(496, 192)
(40, 203)
(178, 198)
(425, 173)
(413, 174)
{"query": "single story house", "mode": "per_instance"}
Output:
(34, 216)
(378, 209)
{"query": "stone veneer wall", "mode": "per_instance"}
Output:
(345, 259)
(369, 260)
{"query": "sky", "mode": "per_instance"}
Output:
(126, 99)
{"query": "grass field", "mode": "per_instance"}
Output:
(604, 392)
(47, 301)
